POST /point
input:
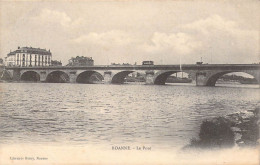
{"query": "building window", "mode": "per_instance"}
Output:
(35, 60)
(45, 60)
(23, 60)
(39, 61)
(17, 59)
(30, 60)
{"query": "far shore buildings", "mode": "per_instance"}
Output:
(81, 61)
(56, 63)
(29, 57)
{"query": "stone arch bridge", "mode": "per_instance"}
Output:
(203, 75)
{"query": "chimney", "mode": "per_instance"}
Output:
(18, 47)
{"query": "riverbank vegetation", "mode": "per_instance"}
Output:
(241, 129)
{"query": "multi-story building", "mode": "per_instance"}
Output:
(29, 57)
(81, 61)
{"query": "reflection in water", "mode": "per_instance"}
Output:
(163, 116)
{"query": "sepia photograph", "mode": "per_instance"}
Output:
(129, 82)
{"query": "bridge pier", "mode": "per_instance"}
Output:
(16, 75)
(201, 79)
(149, 77)
(73, 77)
(43, 76)
(107, 77)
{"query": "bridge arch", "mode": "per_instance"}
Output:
(57, 77)
(211, 81)
(119, 77)
(89, 77)
(30, 76)
(161, 76)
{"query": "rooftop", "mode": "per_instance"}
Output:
(30, 50)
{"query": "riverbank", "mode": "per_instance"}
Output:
(238, 129)
(246, 127)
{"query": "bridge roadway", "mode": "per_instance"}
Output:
(203, 75)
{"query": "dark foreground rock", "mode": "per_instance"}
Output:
(240, 129)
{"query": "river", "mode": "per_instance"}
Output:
(163, 117)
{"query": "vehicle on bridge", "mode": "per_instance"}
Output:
(199, 63)
(148, 63)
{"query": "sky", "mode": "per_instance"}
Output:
(166, 32)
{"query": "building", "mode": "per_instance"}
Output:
(56, 63)
(81, 61)
(28, 56)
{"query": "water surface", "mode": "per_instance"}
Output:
(79, 114)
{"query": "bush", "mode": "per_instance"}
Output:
(214, 134)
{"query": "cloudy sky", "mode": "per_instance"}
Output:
(132, 31)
